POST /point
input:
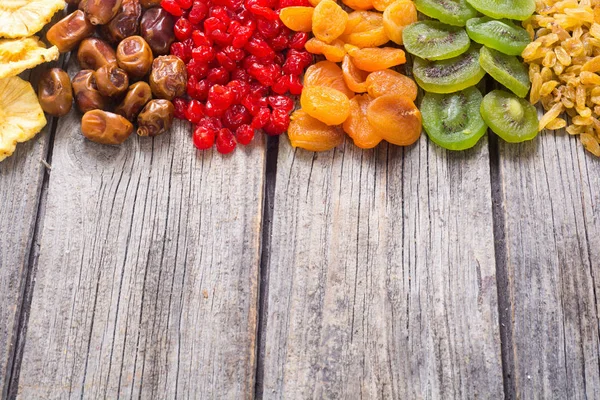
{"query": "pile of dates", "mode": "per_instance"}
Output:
(127, 75)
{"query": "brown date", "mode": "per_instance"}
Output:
(69, 31)
(136, 98)
(111, 80)
(94, 53)
(150, 3)
(105, 127)
(125, 24)
(156, 118)
(87, 96)
(168, 78)
(55, 92)
(156, 28)
(134, 56)
(100, 12)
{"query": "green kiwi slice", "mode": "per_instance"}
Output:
(501, 35)
(448, 76)
(499, 9)
(510, 117)
(507, 70)
(434, 40)
(452, 12)
(453, 121)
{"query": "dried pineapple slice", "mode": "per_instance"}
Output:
(22, 18)
(21, 116)
(17, 55)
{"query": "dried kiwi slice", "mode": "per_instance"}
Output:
(453, 121)
(511, 9)
(513, 119)
(448, 76)
(453, 12)
(434, 40)
(501, 35)
(507, 70)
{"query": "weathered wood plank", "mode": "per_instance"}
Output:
(147, 275)
(21, 179)
(550, 194)
(382, 276)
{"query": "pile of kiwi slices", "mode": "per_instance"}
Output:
(453, 52)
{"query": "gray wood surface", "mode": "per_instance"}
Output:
(146, 280)
(550, 218)
(21, 178)
(381, 276)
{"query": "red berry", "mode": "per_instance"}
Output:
(212, 24)
(185, 4)
(198, 12)
(236, 55)
(282, 102)
(267, 28)
(240, 89)
(293, 3)
(180, 50)
(240, 74)
(171, 7)
(278, 124)
(280, 42)
(213, 111)
(298, 40)
(204, 136)
(244, 134)
(203, 54)
(218, 75)
(221, 96)
(183, 29)
(180, 106)
(235, 116)
(225, 141)
(225, 61)
(200, 39)
(194, 111)
(261, 118)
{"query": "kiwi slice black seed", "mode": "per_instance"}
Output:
(507, 70)
(510, 117)
(453, 12)
(499, 9)
(448, 76)
(501, 35)
(435, 40)
(453, 121)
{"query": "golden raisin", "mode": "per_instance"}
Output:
(298, 19)
(395, 118)
(375, 59)
(334, 52)
(326, 104)
(388, 81)
(328, 21)
(327, 73)
(357, 126)
(398, 16)
(311, 134)
(365, 29)
(355, 78)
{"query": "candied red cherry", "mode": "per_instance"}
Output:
(185, 4)
(212, 24)
(261, 117)
(282, 86)
(236, 55)
(220, 13)
(280, 42)
(298, 40)
(294, 3)
(282, 102)
(278, 123)
(225, 141)
(198, 12)
(261, 8)
(194, 111)
(267, 75)
(197, 69)
(171, 7)
(240, 74)
(183, 29)
(226, 62)
(240, 89)
(240, 35)
(180, 106)
(222, 38)
(204, 136)
(201, 39)
(180, 50)
(218, 76)
(235, 116)
(203, 54)
(267, 28)
(257, 90)
(244, 134)
(213, 111)
(259, 48)
(221, 96)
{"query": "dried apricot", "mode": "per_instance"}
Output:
(395, 118)
(354, 77)
(365, 29)
(311, 134)
(357, 126)
(359, 4)
(328, 21)
(381, 5)
(297, 18)
(327, 73)
(375, 59)
(398, 16)
(388, 81)
(326, 104)
(334, 51)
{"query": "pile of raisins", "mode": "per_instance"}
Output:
(243, 68)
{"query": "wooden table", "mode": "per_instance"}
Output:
(152, 270)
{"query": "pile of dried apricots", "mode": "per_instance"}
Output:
(364, 97)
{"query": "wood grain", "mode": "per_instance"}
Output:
(146, 282)
(382, 276)
(21, 179)
(551, 222)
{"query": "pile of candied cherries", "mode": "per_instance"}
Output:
(243, 67)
